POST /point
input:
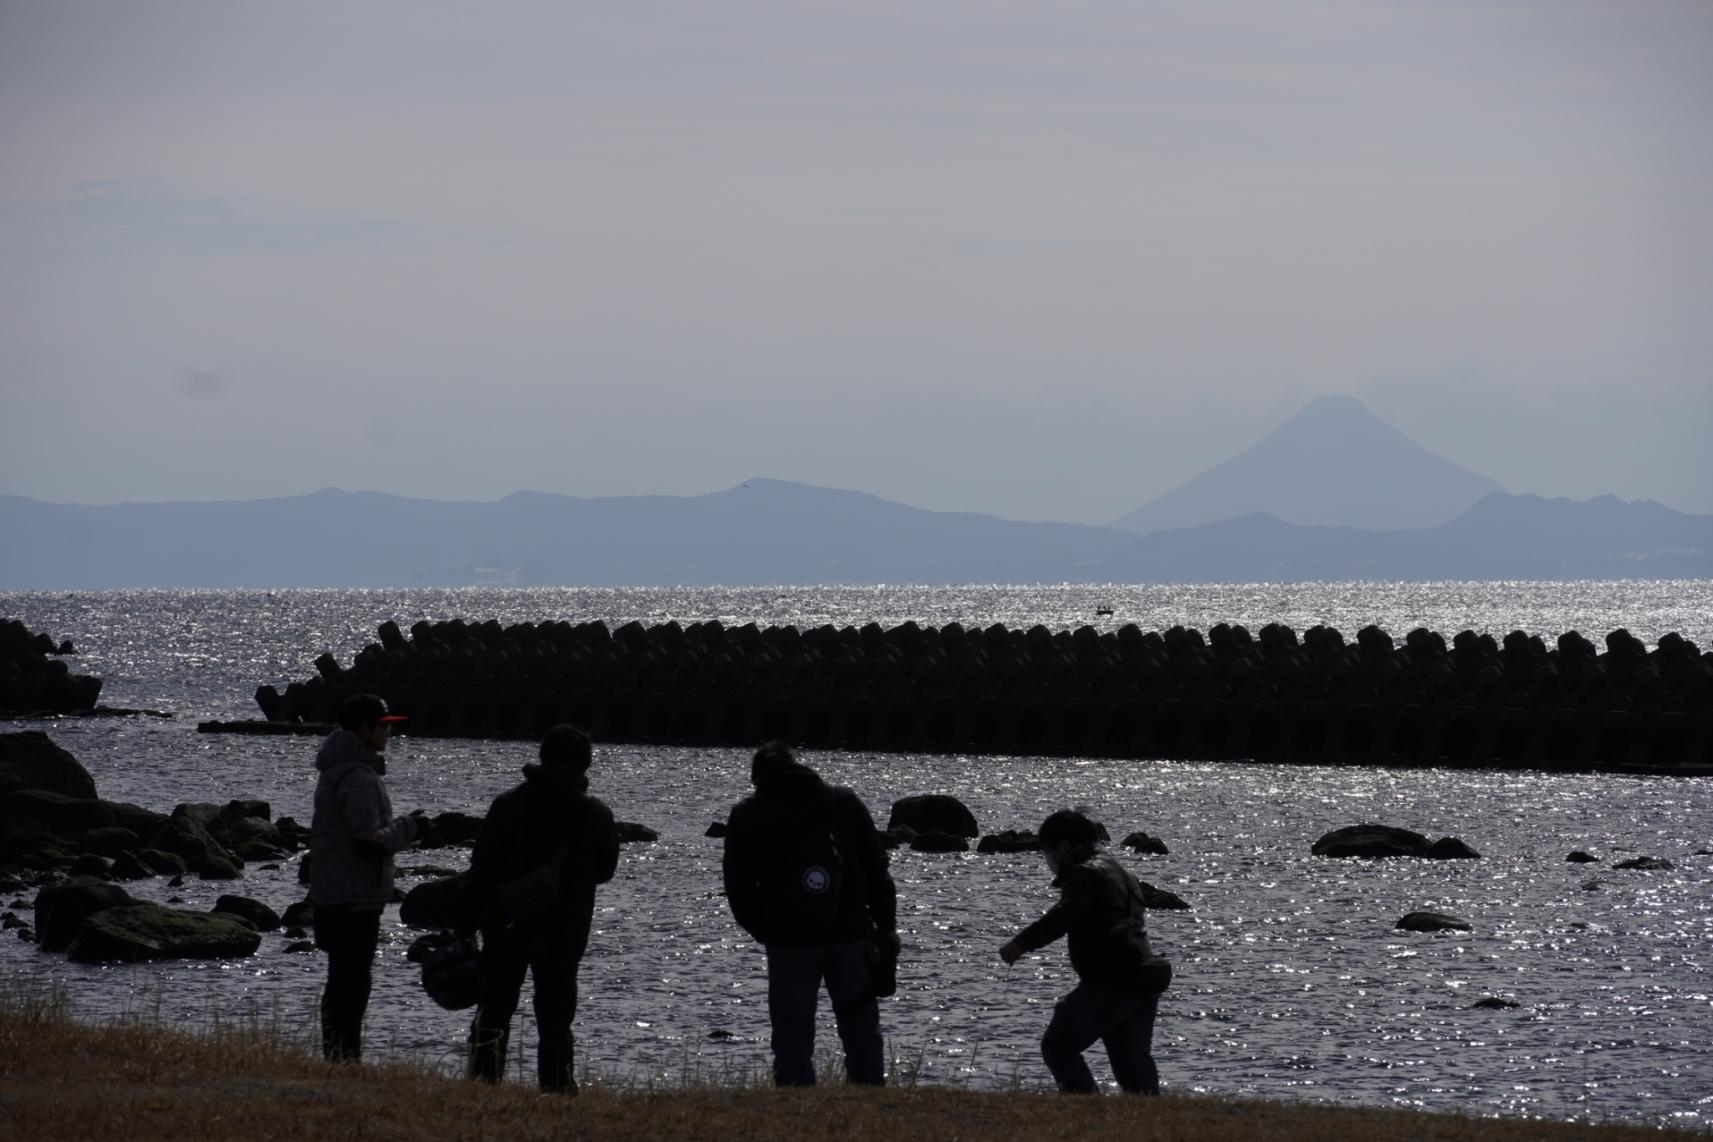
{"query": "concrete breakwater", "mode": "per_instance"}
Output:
(1472, 700)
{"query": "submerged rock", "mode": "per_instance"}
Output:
(138, 932)
(1495, 1003)
(1010, 841)
(31, 760)
(1143, 843)
(1432, 922)
(934, 841)
(1647, 864)
(1162, 900)
(1580, 857)
(632, 833)
(62, 908)
(264, 918)
(934, 812)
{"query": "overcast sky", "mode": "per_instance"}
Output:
(1045, 260)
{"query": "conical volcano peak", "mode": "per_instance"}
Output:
(1332, 464)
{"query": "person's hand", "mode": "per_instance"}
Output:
(1010, 952)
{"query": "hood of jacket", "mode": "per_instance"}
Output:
(793, 782)
(343, 749)
(557, 781)
(1074, 858)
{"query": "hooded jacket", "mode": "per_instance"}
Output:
(785, 797)
(1102, 909)
(525, 828)
(353, 835)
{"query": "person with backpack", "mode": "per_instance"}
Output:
(352, 838)
(806, 875)
(1101, 908)
(543, 847)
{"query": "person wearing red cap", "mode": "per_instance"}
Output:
(352, 839)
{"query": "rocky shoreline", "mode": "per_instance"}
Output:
(1468, 701)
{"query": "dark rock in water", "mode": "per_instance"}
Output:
(299, 946)
(301, 914)
(176, 882)
(1647, 864)
(62, 908)
(452, 828)
(934, 812)
(109, 841)
(30, 760)
(137, 932)
(27, 935)
(1432, 922)
(1370, 841)
(1162, 900)
(1010, 841)
(163, 863)
(1580, 857)
(1592, 885)
(185, 837)
(243, 807)
(897, 835)
(717, 829)
(1493, 1002)
(257, 851)
(42, 812)
(294, 932)
(448, 903)
(1450, 848)
(719, 1033)
(264, 918)
(220, 868)
(1143, 843)
(128, 866)
(9, 920)
(934, 841)
(91, 865)
(632, 833)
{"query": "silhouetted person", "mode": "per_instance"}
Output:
(806, 875)
(1101, 908)
(352, 838)
(549, 830)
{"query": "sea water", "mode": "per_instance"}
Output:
(1292, 981)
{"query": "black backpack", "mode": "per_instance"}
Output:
(805, 878)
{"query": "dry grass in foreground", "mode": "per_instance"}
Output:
(62, 1080)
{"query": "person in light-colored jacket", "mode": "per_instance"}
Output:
(352, 838)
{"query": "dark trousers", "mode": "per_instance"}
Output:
(551, 956)
(349, 936)
(794, 975)
(1125, 1023)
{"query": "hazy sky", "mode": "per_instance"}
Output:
(1042, 260)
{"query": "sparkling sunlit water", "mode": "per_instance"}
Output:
(1291, 980)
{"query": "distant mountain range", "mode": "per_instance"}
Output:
(1333, 464)
(769, 531)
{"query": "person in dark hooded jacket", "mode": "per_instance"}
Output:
(352, 838)
(527, 828)
(1101, 908)
(806, 875)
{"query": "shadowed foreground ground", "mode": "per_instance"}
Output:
(60, 1080)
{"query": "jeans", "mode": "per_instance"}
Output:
(551, 956)
(1124, 1022)
(349, 936)
(794, 975)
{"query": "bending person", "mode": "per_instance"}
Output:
(1101, 908)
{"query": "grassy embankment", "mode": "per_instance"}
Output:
(63, 1080)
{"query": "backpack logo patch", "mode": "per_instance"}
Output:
(816, 879)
